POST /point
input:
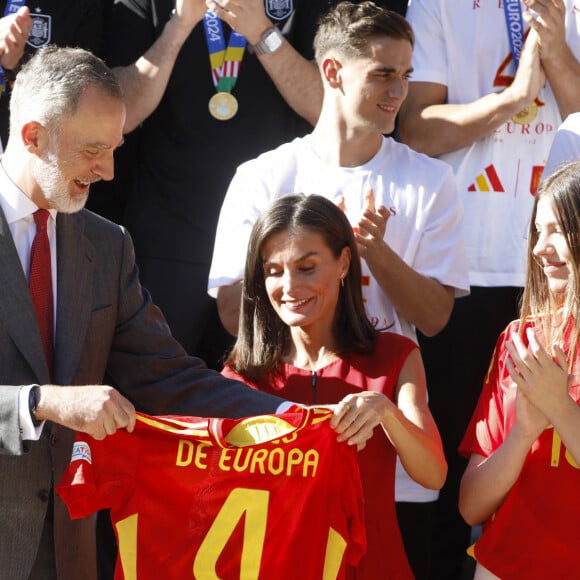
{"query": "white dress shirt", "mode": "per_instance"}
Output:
(19, 210)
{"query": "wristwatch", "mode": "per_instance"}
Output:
(270, 41)
(33, 397)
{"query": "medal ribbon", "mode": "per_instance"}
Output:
(12, 6)
(225, 62)
(515, 24)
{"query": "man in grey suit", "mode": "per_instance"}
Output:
(67, 116)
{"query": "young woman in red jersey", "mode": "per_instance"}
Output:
(304, 335)
(523, 478)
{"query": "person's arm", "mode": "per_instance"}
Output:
(412, 429)
(144, 81)
(249, 193)
(431, 125)
(228, 304)
(13, 430)
(424, 302)
(95, 409)
(487, 481)
(560, 65)
(152, 370)
(296, 78)
(408, 423)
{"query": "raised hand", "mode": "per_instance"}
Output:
(542, 381)
(549, 26)
(246, 17)
(370, 232)
(14, 31)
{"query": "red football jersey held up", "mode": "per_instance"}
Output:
(273, 496)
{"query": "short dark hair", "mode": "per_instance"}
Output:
(50, 85)
(263, 338)
(349, 27)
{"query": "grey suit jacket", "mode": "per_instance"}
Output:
(107, 331)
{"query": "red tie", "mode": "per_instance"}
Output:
(40, 284)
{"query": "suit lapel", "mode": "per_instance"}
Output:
(16, 310)
(75, 275)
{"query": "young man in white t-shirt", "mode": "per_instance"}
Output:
(490, 112)
(404, 204)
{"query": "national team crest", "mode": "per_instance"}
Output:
(279, 9)
(40, 31)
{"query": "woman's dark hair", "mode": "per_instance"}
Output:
(263, 338)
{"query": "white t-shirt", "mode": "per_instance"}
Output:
(566, 145)
(465, 46)
(425, 228)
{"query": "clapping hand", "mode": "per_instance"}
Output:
(542, 382)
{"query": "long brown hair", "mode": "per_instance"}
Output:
(263, 338)
(562, 188)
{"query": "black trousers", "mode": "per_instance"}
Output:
(415, 522)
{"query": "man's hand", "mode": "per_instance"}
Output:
(98, 410)
(14, 31)
(246, 17)
(189, 12)
(549, 25)
(369, 231)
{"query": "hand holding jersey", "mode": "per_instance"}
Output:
(98, 410)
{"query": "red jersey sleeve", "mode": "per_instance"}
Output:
(96, 473)
(495, 412)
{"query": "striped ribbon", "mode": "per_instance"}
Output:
(225, 61)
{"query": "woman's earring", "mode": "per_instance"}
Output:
(342, 281)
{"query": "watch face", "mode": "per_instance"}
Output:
(273, 40)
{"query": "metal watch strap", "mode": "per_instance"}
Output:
(261, 47)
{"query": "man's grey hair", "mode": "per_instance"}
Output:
(50, 85)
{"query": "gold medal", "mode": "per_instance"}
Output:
(223, 106)
(526, 115)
